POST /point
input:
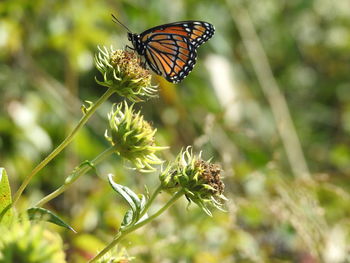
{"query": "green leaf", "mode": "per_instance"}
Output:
(128, 219)
(129, 196)
(136, 204)
(135, 198)
(6, 212)
(42, 214)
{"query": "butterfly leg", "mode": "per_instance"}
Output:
(144, 64)
(128, 47)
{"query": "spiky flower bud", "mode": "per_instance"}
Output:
(133, 137)
(122, 70)
(200, 180)
(26, 242)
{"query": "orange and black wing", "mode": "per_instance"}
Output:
(170, 50)
(170, 55)
(197, 32)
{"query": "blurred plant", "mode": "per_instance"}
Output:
(115, 256)
(23, 242)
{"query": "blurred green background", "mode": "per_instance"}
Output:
(286, 203)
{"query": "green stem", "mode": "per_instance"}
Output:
(63, 145)
(150, 200)
(122, 233)
(75, 175)
(158, 213)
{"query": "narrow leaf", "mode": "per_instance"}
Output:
(6, 212)
(42, 214)
(135, 198)
(129, 196)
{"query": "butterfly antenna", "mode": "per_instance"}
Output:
(115, 20)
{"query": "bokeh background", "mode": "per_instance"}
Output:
(269, 99)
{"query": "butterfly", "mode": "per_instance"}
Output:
(170, 50)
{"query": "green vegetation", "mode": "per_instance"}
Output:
(267, 104)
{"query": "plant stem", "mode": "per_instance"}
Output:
(75, 175)
(158, 213)
(122, 233)
(64, 144)
(150, 200)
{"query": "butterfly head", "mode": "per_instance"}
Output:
(130, 36)
(137, 43)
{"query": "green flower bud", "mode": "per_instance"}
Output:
(122, 70)
(133, 137)
(200, 180)
(29, 243)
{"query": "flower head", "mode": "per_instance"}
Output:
(133, 137)
(29, 243)
(122, 71)
(199, 179)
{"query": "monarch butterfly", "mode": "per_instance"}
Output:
(170, 50)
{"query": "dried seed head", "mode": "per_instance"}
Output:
(200, 180)
(210, 175)
(122, 70)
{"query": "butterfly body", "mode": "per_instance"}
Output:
(136, 42)
(170, 50)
